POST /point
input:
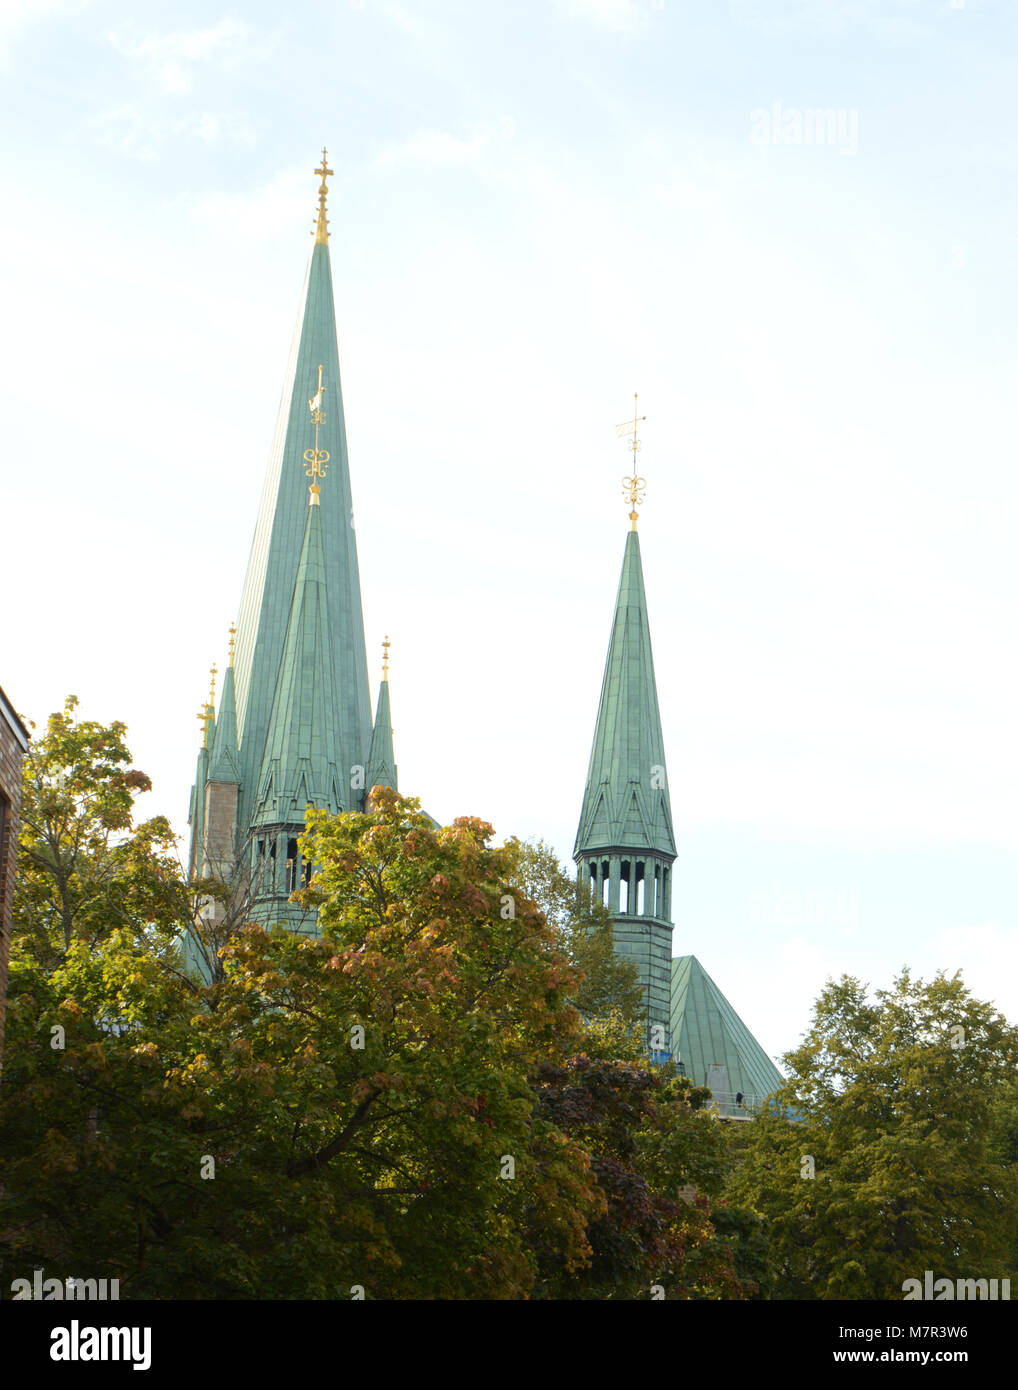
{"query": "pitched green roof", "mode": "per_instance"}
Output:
(299, 767)
(276, 550)
(224, 764)
(626, 802)
(382, 760)
(706, 1031)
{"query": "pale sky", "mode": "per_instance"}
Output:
(538, 209)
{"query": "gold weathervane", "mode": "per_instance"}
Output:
(634, 488)
(385, 659)
(322, 225)
(317, 460)
(209, 710)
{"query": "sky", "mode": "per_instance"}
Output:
(790, 225)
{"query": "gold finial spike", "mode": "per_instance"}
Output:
(322, 225)
(233, 639)
(633, 487)
(212, 687)
(313, 492)
(385, 659)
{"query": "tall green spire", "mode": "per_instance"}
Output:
(310, 422)
(625, 844)
(382, 759)
(294, 724)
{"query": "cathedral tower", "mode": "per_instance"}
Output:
(294, 723)
(625, 845)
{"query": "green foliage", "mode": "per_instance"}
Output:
(900, 1105)
(444, 1094)
(605, 981)
(84, 869)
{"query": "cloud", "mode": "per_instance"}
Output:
(432, 149)
(607, 14)
(18, 15)
(987, 956)
(140, 133)
(171, 58)
(266, 212)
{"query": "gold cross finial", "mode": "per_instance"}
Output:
(385, 659)
(212, 687)
(322, 226)
(233, 638)
(634, 487)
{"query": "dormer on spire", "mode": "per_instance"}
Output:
(322, 224)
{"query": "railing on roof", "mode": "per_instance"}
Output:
(736, 1105)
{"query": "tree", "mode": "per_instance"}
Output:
(84, 868)
(408, 1102)
(583, 927)
(353, 1108)
(879, 1158)
(657, 1154)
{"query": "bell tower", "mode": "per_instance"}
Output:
(625, 844)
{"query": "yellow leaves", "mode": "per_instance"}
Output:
(58, 1154)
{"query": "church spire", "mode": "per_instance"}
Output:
(224, 764)
(626, 801)
(625, 844)
(382, 759)
(309, 463)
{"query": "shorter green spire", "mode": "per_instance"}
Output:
(224, 764)
(626, 802)
(382, 760)
(298, 768)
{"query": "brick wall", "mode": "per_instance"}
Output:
(13, 743)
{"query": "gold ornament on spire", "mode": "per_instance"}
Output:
(317, 460)
(233, 639)
(322, 225)
(385, 659)
(209, 710)
(634, 488)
